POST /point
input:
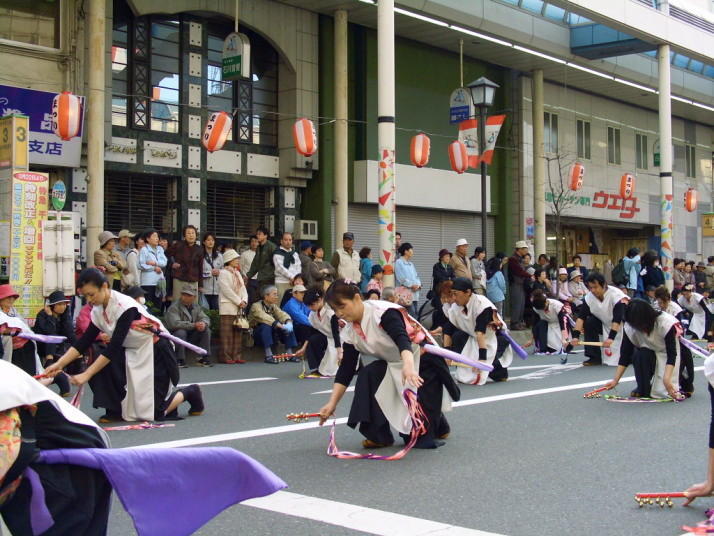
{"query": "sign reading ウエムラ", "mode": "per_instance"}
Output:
(44, 146)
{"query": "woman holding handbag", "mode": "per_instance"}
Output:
(232, 301)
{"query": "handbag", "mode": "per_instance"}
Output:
(203, 301)
(404, 296)
(241, 322)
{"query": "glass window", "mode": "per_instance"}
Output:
(680, 61)
(550, 132)
(690, 161)
(165, 80)
(613, 145)
(554, 13)
(35, 22)
(708, 71)
(119, 72)
(695, 65)
(532, 5)
(574, 19)
(641, 151)
(582, 135)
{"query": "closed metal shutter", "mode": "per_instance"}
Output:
(427, 230)
(235, 210)
(137, 203)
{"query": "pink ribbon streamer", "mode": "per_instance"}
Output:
(141, 426)
(418, 418)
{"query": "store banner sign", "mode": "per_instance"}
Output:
(602, 205)
(30, 194)
(45, 146)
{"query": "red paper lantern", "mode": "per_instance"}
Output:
(305, 137)
(66, 115)
(627, 185)
(458, 157)
(216, 131)
(420, 148)
(577, 172)
(690, 200)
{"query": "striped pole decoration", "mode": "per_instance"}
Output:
(458, 157)
(66, 115)
(420, 149)
(216, 131)
(305, 137)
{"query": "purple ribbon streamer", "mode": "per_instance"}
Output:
(37, 337)
(40, 517)
(174, 338)
(693, 347)
(453, 356)
(516, 347)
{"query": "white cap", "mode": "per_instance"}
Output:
(462, 242)
(521, 244)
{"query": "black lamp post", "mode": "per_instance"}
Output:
(482, 93)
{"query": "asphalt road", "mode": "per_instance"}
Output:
(526, 457)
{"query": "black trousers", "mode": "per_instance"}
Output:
(303, 332)
(643, 361)
(593, 333)
(373, 425)
(459, 340)
(686, 370)
(316, 348)
(109, 384)
(540, 335)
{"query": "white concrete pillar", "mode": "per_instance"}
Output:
(341, 131)
(665, 169)
(96, 25)
(538, 164)
(386, 137)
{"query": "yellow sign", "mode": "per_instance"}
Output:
(30, 193)
(14, 142)
(708, 224)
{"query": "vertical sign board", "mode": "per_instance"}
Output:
(14, 138)
(236, 57)
(30, 193)
(461, 106)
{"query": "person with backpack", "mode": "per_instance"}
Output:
(619, 276)
(631, 263)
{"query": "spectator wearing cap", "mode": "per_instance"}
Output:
(406, 276)
(187, 321)
(376, 281)
(271, 325)
(300, 314)
(365, 268)
(577, 288)
(346, 260)
(124, 246)
(562, 291)
(459, 262)
(517, 276)
(108, 260)
(287, 264)
(650, 296)
(700, 278)
(55, 319)
(441, 271)
(232, 302)
(187, 266)
(305, 258)
(320, 272)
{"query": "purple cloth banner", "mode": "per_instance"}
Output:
(173, 492)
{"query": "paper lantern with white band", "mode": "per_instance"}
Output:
(690, 200)
(66, 115)
(216, 131)
(420, 149)
(305, 137)
(458, 157)
(577, 172)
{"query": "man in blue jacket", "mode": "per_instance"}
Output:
(300, 314)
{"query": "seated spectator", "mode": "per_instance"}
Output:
(372, 294)
(271, 325)
(563, 290)
(577, 288)
(376, 282)
(55, 319)
(650, 296)
(542, 282)
(297, 280)
(187, 321)
(389, 295)
(300, 314)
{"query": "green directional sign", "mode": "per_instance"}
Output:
(236, 57)
(232, 67)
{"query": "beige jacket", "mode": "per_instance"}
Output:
(461, 266)
(102, 259)
(231, 292)
(262, 313)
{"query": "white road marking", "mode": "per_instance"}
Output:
(546, 372)
(221, 382)
(360, 518)
(259, 432)
(350, 389)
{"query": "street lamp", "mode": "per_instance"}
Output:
(482, 93)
